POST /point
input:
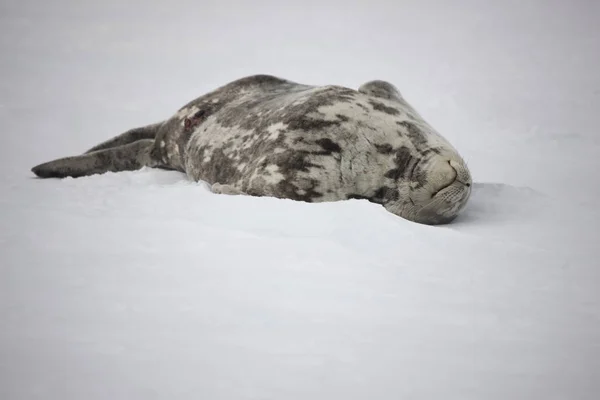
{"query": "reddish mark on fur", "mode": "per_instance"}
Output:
(195, 120)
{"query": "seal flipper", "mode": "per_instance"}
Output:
(127, 157)
(225, 189)
(381, 89)
(132, 135)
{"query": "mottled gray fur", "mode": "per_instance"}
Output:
(265, 136)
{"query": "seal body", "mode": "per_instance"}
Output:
(265, 136)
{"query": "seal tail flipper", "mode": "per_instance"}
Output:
(128, 157)
(132, 135)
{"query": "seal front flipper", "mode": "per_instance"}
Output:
(226, 189)
(381, 89)
(128, 157)
(132, 135)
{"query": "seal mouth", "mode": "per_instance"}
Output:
(433, 194)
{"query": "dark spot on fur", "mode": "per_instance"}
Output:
(385, 194)
(382, 195)
(415, 134)
(305, 123)
(392, 194)
(342, 118)
(329, 146)
(394, 173)
(228, 144)
(220, 168)
(383, 108)
(292, 161)
(183, 140)
(384, 148)
(291, 191)
(402, 160)
(412, 171)
(430, 150)
(420, 177)
(199, 115)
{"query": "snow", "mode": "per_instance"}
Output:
(144, 285)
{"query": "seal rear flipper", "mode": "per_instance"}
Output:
(132, 135)
(128, 157)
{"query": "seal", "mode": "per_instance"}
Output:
(266, 136)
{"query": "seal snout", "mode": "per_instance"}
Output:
(443, 193)
(441, 176)
(450, 173)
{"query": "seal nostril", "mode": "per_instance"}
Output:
(467, 184)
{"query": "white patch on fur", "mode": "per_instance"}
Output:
(187, 111)
(331, 112)
(225, 189)
(275, 130)
(273, 176)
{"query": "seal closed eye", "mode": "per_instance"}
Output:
(266, 136)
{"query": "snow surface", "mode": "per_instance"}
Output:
(143, 285)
